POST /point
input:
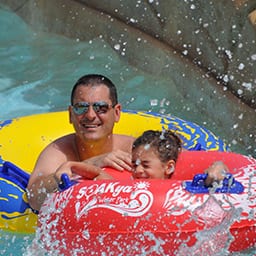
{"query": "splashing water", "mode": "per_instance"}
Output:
(216, 238)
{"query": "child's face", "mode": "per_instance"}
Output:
(146, 164)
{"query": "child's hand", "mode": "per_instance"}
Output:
(216, 172)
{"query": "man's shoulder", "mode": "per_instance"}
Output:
(123, 142)
(66, 139)
(124, 137)
(63, 143)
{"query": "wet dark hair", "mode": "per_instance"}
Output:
(96, 79)
(165, 143)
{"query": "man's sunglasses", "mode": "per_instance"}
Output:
(100, 107)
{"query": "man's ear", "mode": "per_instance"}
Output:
(117, 109)
(170, 167)
(70, 114)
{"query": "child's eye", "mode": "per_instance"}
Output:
(134, 165)
(136, 162)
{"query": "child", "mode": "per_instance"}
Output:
(155, 153)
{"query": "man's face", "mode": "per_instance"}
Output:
(92, 114)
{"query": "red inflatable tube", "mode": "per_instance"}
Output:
(153, 217)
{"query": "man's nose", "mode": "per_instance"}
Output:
(90, 114)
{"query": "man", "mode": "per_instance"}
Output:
(93, 112)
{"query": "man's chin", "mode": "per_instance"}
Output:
(92, 136)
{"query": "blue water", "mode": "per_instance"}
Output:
(14, 244)
(38, 70)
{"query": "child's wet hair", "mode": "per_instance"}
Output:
(166, 144)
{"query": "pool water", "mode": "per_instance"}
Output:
(14, 243)
(38, 71)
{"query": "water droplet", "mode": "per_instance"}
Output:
(117, 47)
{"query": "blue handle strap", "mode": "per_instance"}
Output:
(13, 173)
(66, 182)
(229, 185)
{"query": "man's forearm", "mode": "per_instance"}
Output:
(39, 190)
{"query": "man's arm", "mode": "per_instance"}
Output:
(119, 160)
(42, 180)
(51, 164)
(83, 169)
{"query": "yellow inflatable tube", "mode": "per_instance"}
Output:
(22, 139)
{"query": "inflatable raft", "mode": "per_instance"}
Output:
(136, 217)
(125, 215)
(22, 139)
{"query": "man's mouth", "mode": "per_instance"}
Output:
(90, 126)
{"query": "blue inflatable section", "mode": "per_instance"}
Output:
(193, 136)
(13, 183)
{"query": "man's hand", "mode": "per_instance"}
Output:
(118, 160)
(81, 169)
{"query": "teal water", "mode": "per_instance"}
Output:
(38, 70)
(14, 243)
